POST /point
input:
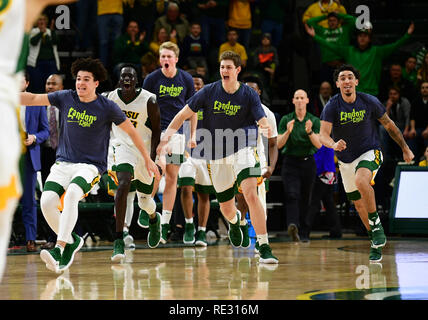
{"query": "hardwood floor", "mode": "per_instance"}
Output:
(320, 269)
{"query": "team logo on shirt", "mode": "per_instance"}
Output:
(226, 108)
(172, 91)
(132, 116)
(82, 119)
(354, 116)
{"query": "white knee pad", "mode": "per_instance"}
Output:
(146, 203)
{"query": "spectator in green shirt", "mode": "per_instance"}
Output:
(298, 138)
(129, 48)
(336, 33)
(364, 56)
(409, 70)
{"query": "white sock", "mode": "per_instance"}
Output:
(190, 220)
(262, 239)
(234, 219)
(68, 217)
(243, 222)
(166, 216)
(129, 208)
(202, 228)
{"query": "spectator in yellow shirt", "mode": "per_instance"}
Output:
(424, 160)
(240, 19)
(323, 7)
(232, 45)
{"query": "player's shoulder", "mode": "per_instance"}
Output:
(185, 74)
(368, 98)
(267, 110)
(105, 100)
(152, 75)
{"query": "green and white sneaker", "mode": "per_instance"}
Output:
(266, 255)
(245, 236)
(143, 219)
(69, 251)
(201, 238)
(164, 232)
(154, 236)
(189, 233)
(378, 238)
(129, 240)
(118, 250)
(52, 258)
(235, 233)
(375, 255)
(257, 248)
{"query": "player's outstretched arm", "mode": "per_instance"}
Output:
(397, 136)
(175, 124)
(154, 117)
(32, 99)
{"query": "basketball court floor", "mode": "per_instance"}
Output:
(318, 270)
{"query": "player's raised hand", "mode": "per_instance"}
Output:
(310, 30)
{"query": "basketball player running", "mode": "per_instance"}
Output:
(267, 166)
(231, 110)
(193, 176)
(349, 116)
(141, 108)
(16, 18)
(86, 119)
(172, 87)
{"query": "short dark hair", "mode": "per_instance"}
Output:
(395, 88)
(231, 55)
(346, 67)
(197, 75)
(94, 66)
(254, 79)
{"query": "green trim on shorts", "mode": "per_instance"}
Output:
(204, 189)
(267, 185)
(354, 195)
(123, 167)
(133, 187)
(111, 184)
(84, 185)
(143, 187)
(185, 181)
(226, 195)
(175, 158)
(252, 172)
(55, 187)
(371, 165)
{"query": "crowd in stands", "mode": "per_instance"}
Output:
(121, 32)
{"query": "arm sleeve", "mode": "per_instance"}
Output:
(55, 98)
(388, 49)
(256, 106)
(117, 115)
(316, 125)
(328, 113)
(196, 101)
